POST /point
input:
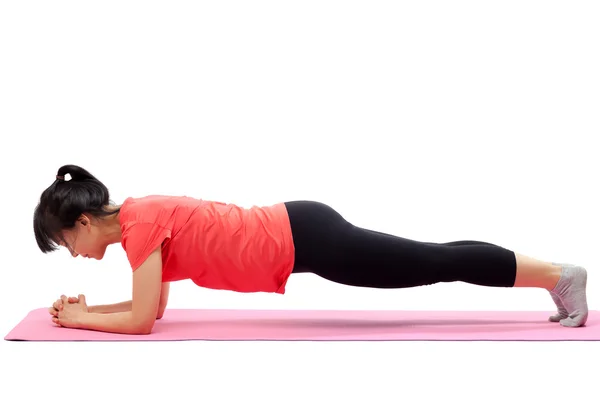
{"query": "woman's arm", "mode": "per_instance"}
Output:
(110, 308)
(164, 299)
(126, 305)
(147, 284)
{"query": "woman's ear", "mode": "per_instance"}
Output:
(83, 220)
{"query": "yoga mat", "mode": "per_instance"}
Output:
(326, 325)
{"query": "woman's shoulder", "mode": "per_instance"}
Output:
(158, 200)
(151, 208)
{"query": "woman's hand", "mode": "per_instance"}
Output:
(69, 311)
(58, 304)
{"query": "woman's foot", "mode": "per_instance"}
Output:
(570, 297)
(562, 312)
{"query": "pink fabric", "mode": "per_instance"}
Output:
(191, 324)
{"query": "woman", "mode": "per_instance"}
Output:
(223, 246)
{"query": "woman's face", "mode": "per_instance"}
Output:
(84, 239)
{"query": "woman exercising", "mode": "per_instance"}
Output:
(227, 247)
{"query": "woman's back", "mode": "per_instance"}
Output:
(217, 245)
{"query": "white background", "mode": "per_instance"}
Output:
(437, 121)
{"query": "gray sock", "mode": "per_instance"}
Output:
(562, 311)
(571, 293)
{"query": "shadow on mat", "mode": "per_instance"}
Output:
(343, 327)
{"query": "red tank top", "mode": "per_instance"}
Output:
(216, 245)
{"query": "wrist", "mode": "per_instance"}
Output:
(81, 320)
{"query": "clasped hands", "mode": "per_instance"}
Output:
(66, 311)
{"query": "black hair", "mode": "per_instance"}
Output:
(64, 201)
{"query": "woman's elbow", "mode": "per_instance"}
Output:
(143, 327)
(143, 331)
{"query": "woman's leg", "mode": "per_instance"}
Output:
(331, 247)
(530, 271)
(536, 273)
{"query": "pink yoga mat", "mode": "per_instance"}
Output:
(328, 325)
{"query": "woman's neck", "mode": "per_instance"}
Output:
(111, 227)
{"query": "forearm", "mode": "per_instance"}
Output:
(120, 307)
(116, 322)
(111, 308)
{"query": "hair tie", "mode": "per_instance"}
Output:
(63, 177)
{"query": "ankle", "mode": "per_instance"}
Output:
(553, 276)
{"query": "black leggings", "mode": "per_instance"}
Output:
(331, 247)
